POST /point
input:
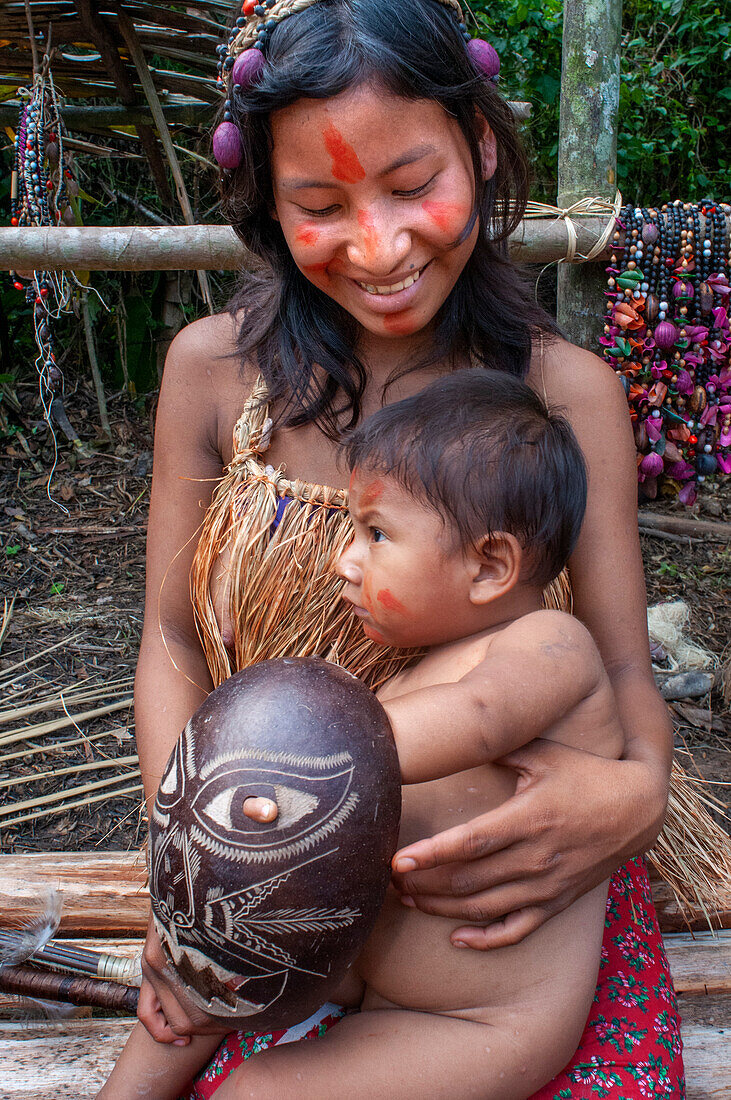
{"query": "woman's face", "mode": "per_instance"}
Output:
(371, 191)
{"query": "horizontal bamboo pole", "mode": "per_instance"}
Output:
(216, 247)
(192, 113)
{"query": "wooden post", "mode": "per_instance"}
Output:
(587, 145)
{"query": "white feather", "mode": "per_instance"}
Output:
(17, 945)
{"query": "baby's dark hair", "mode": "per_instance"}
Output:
(481, 449)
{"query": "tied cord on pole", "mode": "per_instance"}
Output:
(590, 207)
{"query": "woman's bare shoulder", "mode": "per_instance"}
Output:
(204, 382)
(569, 376)
(208, 344)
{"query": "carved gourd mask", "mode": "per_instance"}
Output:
(263, 919)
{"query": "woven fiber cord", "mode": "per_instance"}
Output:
(585, 208)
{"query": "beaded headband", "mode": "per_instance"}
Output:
(241, 61)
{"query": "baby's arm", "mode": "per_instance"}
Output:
(147, 1070)
(536, 672)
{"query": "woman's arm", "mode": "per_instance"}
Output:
(172, 677)
(574, 817)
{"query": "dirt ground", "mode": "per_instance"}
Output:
(72, 577)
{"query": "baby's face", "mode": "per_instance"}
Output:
(405, 578)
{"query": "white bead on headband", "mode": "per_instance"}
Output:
(241, 61)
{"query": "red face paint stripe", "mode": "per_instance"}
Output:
(390, 602)
(345, 166)
(371, 493)
(316, 269)
(448, 216)
(306, 234)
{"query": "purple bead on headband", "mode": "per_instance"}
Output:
(247, 68)
(484, 58)
(227, 147)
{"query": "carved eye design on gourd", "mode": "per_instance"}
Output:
(313, 797)
(172, 785)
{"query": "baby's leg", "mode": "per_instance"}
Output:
(387, 1053)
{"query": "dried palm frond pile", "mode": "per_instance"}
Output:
(41, 746)
(693, 852)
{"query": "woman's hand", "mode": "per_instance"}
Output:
(573, 820)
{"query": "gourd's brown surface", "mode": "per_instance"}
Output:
(262, 920)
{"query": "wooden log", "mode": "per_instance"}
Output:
(212, 247)
(701, 963)
(707, 1058)
(686, 525)
(587, 144)
(59, 1063)
(193, 112)
(103, 893)
(672, 919)
(50, 1062)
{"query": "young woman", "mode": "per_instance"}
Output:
(379, 177)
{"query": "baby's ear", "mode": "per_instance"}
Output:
(499, 560)
(488, 146)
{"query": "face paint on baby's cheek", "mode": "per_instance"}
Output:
(390, 602)
(345, 164)
(306, 234)
(450, 217)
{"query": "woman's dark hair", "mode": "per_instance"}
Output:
(413, 49)
(481, 449)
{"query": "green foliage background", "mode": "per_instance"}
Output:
(675, 92)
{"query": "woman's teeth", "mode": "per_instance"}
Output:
(394, 288)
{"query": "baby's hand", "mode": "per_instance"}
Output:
(261, 809)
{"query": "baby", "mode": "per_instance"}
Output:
(466, 501)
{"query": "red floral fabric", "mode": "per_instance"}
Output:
(631, 1047)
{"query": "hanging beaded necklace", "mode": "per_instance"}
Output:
(41, 190)
(667, 335)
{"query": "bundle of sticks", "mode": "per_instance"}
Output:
(34, 965)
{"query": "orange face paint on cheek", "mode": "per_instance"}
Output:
(390, 602)
(345, 163)
(450, 217)
(306, 234)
